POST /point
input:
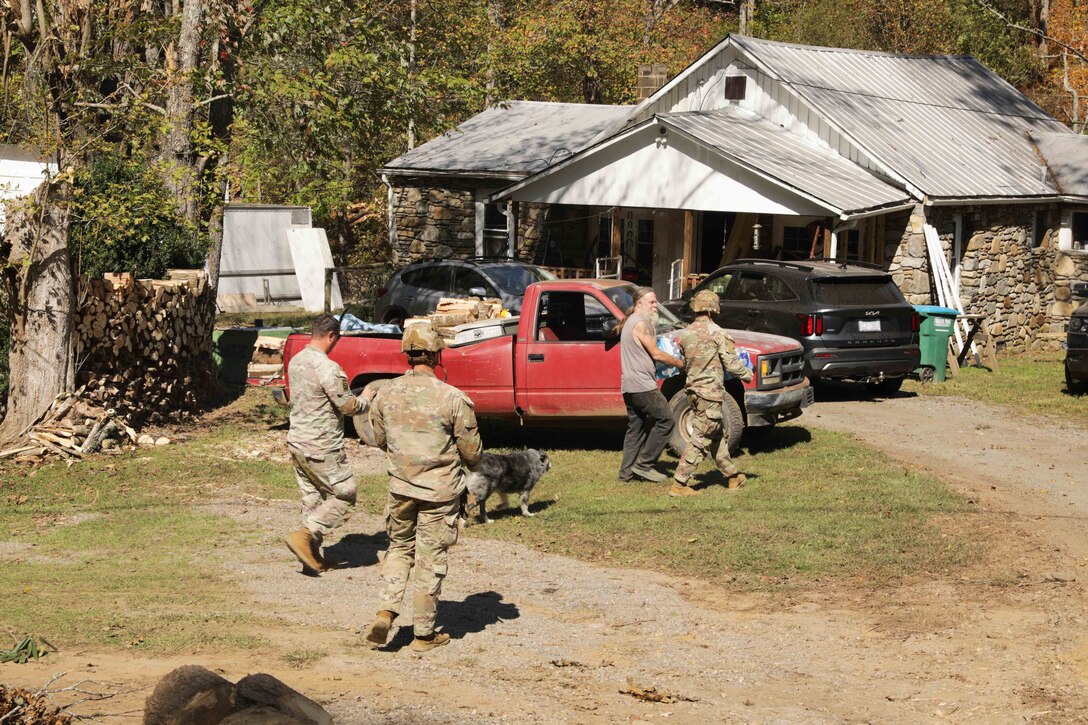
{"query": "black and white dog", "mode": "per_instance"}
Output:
(507, 473)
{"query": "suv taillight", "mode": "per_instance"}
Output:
(382, 291)
(811, 325)
(915, 322)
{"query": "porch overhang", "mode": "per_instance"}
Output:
(722, 162)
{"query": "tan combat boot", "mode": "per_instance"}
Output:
(426, 645)
(379, 630)
(682, 489)
(327, 562)
(301, 544)
(736, 480)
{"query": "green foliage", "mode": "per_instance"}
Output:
(125, 220)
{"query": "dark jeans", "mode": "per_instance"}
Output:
(649, 424)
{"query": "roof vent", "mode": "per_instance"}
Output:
(651, 76)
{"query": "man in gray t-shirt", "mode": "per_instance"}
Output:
(649, 421)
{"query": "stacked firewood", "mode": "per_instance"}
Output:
(144, 347)
(70, 429)
(451, 312)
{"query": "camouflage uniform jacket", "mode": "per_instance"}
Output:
(319, 401)
(428, 428)
(709, 351)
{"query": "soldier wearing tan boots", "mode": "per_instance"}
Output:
(428, 428)
(709, 352)
(319, 401)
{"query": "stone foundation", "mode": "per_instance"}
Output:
(432, 221)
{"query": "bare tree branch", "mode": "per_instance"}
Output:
(1033, 31)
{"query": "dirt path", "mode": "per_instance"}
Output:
(541, 638)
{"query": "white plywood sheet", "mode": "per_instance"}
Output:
(312, 256)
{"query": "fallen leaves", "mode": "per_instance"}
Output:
(652, 694)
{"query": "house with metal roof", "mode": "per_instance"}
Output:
(765, 149)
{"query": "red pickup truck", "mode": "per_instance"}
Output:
(557, 362)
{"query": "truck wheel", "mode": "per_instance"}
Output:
(886, 387)
(396, 317)
(732, 423)
(361, 422)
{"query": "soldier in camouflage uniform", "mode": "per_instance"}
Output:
(709, 352)
(428, 428)
(319, 401)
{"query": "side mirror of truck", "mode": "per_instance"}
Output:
(609, 327)
(1080, 289)
(687, 294)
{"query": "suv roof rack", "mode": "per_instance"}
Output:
(478, 258)
(806, 264)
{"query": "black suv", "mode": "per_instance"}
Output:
(852, 320)
(1076, 345)
(415, 289)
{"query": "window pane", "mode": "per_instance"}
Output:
(718, 284)
(871, 291)
(571, 317)
(434, 277)
(465, 279)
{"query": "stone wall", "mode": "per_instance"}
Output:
(437, 218)
(433, 221)
(1023, 290)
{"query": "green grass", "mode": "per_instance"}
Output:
(122, 552)
(813, 508)
(114, 552)
(297, 318)
(1027, 383)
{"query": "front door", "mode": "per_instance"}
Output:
(572, 368)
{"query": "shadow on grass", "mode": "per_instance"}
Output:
(494, 514)
(472, 615)
(356, 550)
(775, 438)
(577, 436)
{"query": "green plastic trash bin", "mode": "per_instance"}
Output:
(232, 350)
(938, 324)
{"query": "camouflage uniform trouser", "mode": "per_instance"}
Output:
(706, 438)
(328, 490)
(420, 534)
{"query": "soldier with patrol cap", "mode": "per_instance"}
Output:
(709, 351)
(428, 428)
(319, 401)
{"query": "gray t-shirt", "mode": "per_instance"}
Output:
(638, 366)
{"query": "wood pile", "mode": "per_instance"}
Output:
(71, 429)
(459, 311)
(144, 347)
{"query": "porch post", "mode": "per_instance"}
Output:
(511, 229)
(689, 247)
(617, 234)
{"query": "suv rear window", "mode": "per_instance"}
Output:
(857, 291)
(514, 278)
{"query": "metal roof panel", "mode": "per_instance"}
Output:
(516, 137)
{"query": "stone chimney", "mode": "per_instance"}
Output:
(651, 76)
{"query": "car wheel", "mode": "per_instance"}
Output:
(1073, 385)
(732, 423)
(396, 317)
(886, 387)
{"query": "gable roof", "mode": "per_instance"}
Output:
(508, 140)
(947, 124)
(788, 159)
(1065, 155)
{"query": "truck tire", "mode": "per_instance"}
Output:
(361, 422)
(732, 423)
(1073, 385)
(395, 316)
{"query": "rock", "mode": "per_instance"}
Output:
(162, 441)
(916, 246)
(417, 247)
(443, 250)
(1060, 577)
(189, 695)
(1062, 294)
(264, 689)
(145, 441)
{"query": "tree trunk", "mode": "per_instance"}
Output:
(177, 148)
(41, 310)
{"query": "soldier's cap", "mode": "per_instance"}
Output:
(705, 301)
(421, 337)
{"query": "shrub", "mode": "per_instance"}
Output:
(124, 219)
